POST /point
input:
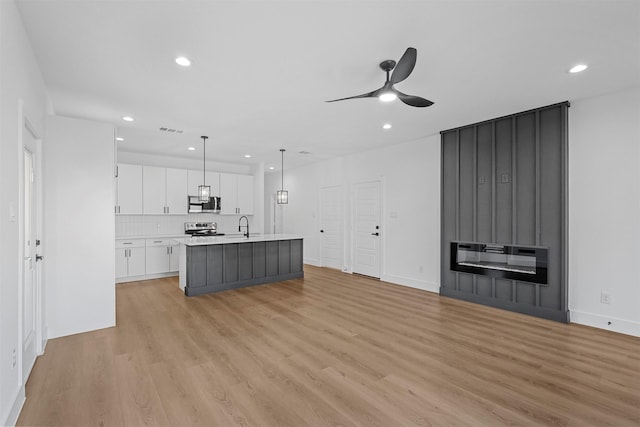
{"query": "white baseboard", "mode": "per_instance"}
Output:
(412, 283)
(16, 407)
(312, 261)
(146, 277)
(614, 324)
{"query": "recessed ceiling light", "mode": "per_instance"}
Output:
(181, 60)
(127, 119)
(578, 68)
(247, 156)
(119, 138)
(386, 126)
(272, 168)
(191, 148)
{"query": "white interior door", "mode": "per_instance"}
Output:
(331, 227)
(366, 228)
(29, 276)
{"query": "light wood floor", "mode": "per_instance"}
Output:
(330, 349)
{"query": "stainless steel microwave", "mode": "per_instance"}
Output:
(196, 206)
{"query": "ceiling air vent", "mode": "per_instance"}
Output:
(170, 130)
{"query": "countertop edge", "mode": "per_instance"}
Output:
(223, 240)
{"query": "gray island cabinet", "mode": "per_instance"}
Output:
(214, 264)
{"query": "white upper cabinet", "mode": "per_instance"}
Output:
(177, 191)
(236, 192)
(195, 179)
(228, 194)
(245, 194)
(164, 190)
(153, 190)
(129, 189)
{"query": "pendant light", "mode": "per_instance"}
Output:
(282, 196)
(204, 191)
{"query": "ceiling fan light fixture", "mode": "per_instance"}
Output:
(387, 96)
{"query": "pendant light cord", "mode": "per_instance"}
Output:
(204, 160)
(282, 169)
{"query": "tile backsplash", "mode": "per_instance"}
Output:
(164, 225)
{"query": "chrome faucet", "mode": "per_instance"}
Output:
(240, 225)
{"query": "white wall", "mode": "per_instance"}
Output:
(20, 79)
(410, 174)
(179, 162)
(604, 211)
(79, 226)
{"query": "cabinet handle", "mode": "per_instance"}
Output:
(168, 211)
(128, 243)
(171, 247)
(157, 241)
(118, 208)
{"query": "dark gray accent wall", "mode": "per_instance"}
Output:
(504, 181)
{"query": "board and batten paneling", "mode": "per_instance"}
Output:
(504, 181)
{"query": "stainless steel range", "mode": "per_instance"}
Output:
(202, 229)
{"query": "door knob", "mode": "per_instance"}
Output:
(39, 258)
(322, 231)
(375, 234)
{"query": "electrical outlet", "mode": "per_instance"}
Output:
(504, 178)
(481, 180)
(13, 358)
(605, 298)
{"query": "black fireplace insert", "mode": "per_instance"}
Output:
(524, 263)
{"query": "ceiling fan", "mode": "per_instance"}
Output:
(387, 92)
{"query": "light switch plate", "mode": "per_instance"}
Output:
(504, 178)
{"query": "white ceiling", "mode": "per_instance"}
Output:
(261, 70)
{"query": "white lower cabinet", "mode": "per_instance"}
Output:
(146, 257)
(130, 258)
(162, 256)
(174, 256)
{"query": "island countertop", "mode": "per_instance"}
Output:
(223, 240)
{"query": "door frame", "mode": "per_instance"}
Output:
(383, 228)
(24, 124)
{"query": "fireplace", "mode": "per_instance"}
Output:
(524, 263)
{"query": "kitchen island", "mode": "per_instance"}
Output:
(214, 264)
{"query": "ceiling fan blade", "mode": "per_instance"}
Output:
(414, 101)
(404, 66)
(364, 95)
